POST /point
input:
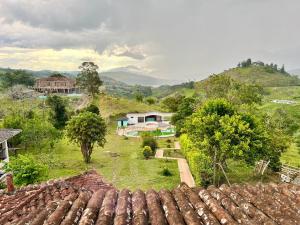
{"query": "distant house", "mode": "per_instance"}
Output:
(144, 118)
(5, 135)
(55, 84)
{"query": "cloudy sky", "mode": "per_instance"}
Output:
(174, 39)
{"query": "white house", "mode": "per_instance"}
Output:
(149, 117)
(5, 135)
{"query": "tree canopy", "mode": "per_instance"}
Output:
(86, 129)
(89, 79)
(58, 112)
(15, 77)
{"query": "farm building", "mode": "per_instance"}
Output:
(55, 84)
(144, 118)
(5, 135)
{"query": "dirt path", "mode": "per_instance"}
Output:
(183, 167)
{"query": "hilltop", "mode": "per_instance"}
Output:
(261, 75)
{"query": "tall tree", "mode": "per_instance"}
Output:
(58, 113)
(86, 129)
(88, 79)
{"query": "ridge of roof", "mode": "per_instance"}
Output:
(68, 202)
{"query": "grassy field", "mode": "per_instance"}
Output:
(120, 162)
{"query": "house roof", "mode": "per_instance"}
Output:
(149, 113)
(56, 78)
(6, 134)
(86, 199)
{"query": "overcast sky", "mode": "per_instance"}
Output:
(174, 39)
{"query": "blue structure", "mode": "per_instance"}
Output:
(122, 122)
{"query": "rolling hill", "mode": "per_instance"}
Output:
(261, 76)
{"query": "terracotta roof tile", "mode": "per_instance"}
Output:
(86, 199)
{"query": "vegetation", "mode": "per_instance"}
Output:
(15, 77)
(149, 140)
(88, 79)
(147, 152)
(26, 170)
(58, 114)
(86, 129)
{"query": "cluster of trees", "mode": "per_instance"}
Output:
(15, 77)
(272, 67)
(227, 125)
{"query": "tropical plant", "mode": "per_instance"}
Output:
(147, 152)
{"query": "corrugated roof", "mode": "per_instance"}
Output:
(6, 134)
(72, 201)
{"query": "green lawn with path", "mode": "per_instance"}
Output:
(120, 162)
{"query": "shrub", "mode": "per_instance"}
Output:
(168, 141)
(25, 170)
(92, 108)
(149, 141)
(147, 152)
(166, 172)
(168, 146)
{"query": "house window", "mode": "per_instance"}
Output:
(141, 119)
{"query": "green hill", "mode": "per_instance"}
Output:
(263, 76)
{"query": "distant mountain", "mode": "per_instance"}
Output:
(263, 76)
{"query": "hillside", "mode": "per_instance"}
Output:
(134, 78)
(260, 75)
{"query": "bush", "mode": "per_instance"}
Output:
(149, 141)
(147, 152)
(168, 141)
(92, 108)
(199, 163)
(25, 170)
(166, 172)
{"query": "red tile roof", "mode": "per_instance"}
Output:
(86, 199)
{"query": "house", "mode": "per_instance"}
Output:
(145, 118)
(56, 83)
(5, 135)
(87, 199)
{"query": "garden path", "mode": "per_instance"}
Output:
(183, 167)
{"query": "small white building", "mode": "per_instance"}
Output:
(149, 117)
(5, 135)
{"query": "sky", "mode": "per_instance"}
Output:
(171, 39)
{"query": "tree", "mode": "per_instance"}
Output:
(150, 100)
(221, 132)
(88, 79)
(58, 113)
(149, 140)
(282, 69)
(171, 103)
(139, 97)
(185, 109)
(86, 129)
(12, 78)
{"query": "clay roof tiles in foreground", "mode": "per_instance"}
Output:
(86, 199)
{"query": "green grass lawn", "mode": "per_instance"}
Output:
(119, 162)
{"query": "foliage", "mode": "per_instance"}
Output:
(14, 121)
(223, 86)
(171, 103)
(86, 129)
(37, 133)
(150, 100)
(222, 133)
(88, 79)
(149, 140)
(139, 97)
(185, 109)
(26, 170)
(147, 152)
(92, 108)
(16, 77)
(58, 113)
(200, 164)
(166, 172)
